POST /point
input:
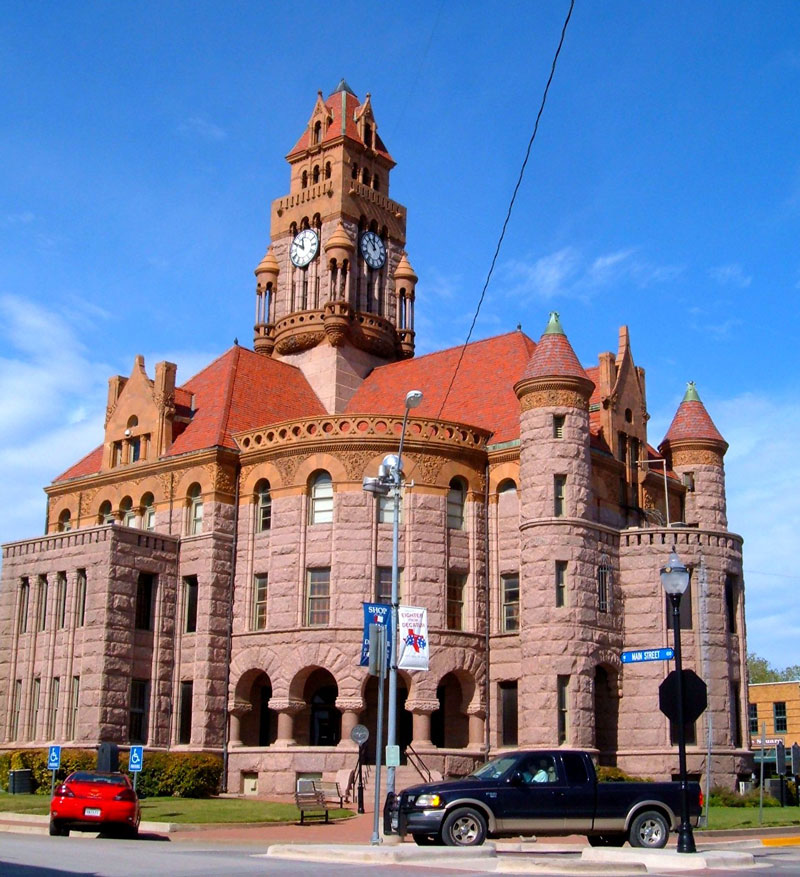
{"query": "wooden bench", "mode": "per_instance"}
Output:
(312, 802)
(330, 791)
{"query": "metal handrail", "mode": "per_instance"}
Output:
(415, 760)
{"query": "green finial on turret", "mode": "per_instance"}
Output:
(691, 393)
(554, 325)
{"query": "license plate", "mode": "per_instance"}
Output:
(92, 811)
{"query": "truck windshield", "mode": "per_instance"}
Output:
(494, 769)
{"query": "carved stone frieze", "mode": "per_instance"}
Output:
(284, 705)
(287, 466)
(355, 462)
(86, 502)
(553, 397)
(221, 478)
(297, 341)
(422, 707)
(165, 402)
(696, 457)
(350, 704)
(165, 480)
(429, 465)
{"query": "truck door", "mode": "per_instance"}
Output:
(533, 800)
(579, 793)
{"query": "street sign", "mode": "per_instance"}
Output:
(695, 696)
(634, 657)
(392, 756)
(360, 734)
(54, 758)
(135, 759)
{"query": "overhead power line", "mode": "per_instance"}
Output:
(510, 206)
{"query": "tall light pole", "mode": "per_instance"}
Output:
(390, 477)
(675, 581)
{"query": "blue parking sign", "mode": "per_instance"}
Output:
(135, 759)
(54, 758)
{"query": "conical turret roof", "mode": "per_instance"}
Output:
(554, 356)
(692, 422)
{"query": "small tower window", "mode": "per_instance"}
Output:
(603, 577)
(315, 174)
(355, 172)
(195, 504)
(64, 522)
(327, 170)
(558, 425)
(368, 135)
(317, 132)
(264, 512)
(365, 177)
(455, 504)
(559, 491)
(304, 180)
(376, 183)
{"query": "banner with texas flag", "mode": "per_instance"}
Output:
(412, 638)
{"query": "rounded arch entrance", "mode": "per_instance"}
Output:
(450, 723)
(319, 723)
(369, 716)
(258, 724)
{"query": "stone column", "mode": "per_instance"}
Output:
(235, 713)
(421, 716)
(350, 708)
(476, 714)
(286, 710)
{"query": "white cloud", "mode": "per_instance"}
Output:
(730, 275)
(569, 273)
(762, 473)
(202, 128)
(24, 217)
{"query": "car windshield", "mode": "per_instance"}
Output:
(494, 769)
(109, 779)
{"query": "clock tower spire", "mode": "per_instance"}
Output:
(335, 291)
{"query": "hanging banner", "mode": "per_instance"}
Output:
(412, 638)
(375, 613)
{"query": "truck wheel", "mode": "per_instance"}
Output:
(649, 829)
(464, 827)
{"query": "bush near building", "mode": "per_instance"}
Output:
(164, 774)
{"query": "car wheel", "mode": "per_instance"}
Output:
(464, 827)
(57, 829)
(649, 829)
(606, 840)
(424, 840)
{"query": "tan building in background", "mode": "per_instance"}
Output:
(201, 579)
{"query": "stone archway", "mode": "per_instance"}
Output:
(369, 717)
(449, 723)
(320, 722)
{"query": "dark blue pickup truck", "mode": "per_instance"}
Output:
(547, 793)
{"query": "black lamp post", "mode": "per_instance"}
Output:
(675, 580)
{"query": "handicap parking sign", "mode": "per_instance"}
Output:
(54, 758)
(135, 759)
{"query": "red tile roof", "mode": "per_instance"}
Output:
(343, 105)
(554, 356)
(239, 390)
(483, 394)
(692, 421)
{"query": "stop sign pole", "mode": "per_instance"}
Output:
(675, 579)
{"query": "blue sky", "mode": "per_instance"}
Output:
(142, 144)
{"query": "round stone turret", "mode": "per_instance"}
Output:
(695, 450)
(339, 248)
(266, 272)
(405, 284)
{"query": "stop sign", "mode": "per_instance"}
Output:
(695, 697)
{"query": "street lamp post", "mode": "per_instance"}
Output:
(675, 581)
(390, 477)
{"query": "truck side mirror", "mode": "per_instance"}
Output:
(517, 779)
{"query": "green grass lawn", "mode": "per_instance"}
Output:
(190, 810)
(747, 817)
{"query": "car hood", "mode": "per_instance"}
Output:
(443, 787)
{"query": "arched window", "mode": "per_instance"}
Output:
(264, 507)
(317, 132)
(304, 180)
(365, 177)
(376, 184)
(327, 170)
(321, 506)
(455, 504)
(148, 512)
(195, 506)
(368, 134)
(603, 586)
(64, 522)
(315, 174)
(106, 515)
(128, 513)
(355, 172)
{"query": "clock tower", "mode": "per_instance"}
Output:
(335, 291)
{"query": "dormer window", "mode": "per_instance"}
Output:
(317, 133)
(134, 449)
(368, 135)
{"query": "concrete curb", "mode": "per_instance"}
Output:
(670, 860)
(33, 823)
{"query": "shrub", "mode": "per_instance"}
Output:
(170, 774)
(724, 797)
(615, 775)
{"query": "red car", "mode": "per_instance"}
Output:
(92, 801)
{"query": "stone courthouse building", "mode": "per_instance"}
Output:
(199, 586)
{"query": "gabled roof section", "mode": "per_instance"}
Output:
(239, 390)
(242, 390)
(343, 108)
(482, 395)
(692, 422)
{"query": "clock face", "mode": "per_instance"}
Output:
(304, 247)
(373, 249)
